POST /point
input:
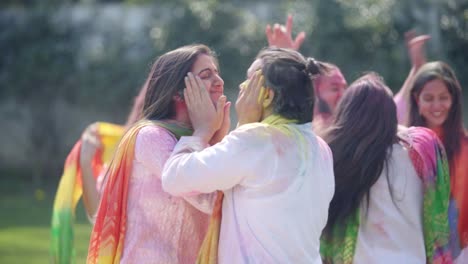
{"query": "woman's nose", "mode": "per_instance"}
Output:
(219, 80)
(437, 104)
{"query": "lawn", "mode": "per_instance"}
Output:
(25, 225)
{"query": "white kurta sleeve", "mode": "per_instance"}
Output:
(197, 168)
(203, 202)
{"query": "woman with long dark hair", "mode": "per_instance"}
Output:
(391, 188)
(432, 97)
(136, 220)
(435, 102)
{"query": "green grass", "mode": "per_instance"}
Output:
(25, 225)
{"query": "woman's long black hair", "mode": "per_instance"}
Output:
(360, 137)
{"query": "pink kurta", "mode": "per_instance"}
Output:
(160, 228)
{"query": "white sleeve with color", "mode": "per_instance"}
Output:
(197, 168)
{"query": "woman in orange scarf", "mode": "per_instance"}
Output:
(137, 221)
(432, 97)
(435, 101)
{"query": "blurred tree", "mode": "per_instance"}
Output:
(37, 63)
(95, 54)
(447, 24)
(454, 35)
(358, 36)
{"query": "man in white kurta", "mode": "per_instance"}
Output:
(277, 188)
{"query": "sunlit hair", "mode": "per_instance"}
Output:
(137, 108)
(361, 138)
(453, 126)
(166, 80)
(289, 75)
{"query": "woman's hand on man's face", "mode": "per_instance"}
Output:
(249, 104)
(206, 118)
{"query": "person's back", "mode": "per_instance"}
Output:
(391, 228)
(275, 173)
(137, 222)
(392, 184)
(277, 212)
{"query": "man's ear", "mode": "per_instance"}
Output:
(268, 100)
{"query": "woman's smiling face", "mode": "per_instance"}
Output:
(434, 103)
(206, 68)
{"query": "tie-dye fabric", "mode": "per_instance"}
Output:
(430, 162)
(108, 235)
(69, 192)
(459, 183)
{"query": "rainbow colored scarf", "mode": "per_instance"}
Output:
(70, 190)
(107, 238)
(209, 249)
(430, 161)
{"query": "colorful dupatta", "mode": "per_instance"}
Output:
(459, 184)
(70, 190)
(209, 249)
(107, 238)
(458, 210)
(430, 161)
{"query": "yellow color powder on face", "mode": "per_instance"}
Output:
(262, 93)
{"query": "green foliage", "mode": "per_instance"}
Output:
(454, 31)
(48, 56)
(25, 230)
(42, 55)
(34, 66)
